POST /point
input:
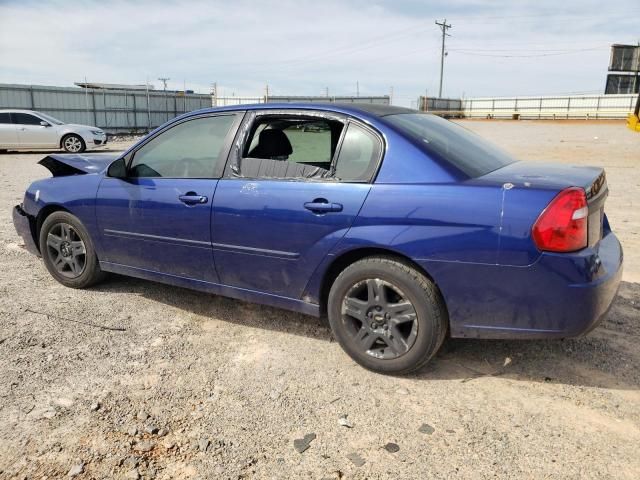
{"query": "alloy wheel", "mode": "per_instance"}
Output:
(381, 320)
(72, 144)
(66, 250)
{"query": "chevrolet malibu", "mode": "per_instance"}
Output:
(400, 226)
(27, 129)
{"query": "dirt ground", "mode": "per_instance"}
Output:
(136, 379)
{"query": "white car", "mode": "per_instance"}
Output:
(26, 129)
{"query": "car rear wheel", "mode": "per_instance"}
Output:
(68, 252)
(387, 315)
(73, 144)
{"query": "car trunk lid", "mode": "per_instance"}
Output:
(555, 177)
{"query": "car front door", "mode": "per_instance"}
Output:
(156, 215)
(289, 194)
(8, 131)
(32, 134)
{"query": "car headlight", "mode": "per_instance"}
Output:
(97, 132)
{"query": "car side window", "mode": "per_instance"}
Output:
(188, 150)
(289, 148)
(358, 155)
(5, 117)
(25, 119)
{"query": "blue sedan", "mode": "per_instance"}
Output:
(400, 226)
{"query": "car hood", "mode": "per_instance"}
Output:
(62, 165)
(77, 126)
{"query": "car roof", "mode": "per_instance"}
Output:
(17, 110)
(370, 110)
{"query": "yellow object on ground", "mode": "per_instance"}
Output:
(633, 122)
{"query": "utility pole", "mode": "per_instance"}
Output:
(164, 89)
(391, 95)
(214, 94)
(146, 82)
(444, 27)
(266, 93)
(357, 88)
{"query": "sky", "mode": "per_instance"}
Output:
(301, 47)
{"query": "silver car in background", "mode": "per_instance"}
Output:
(27, 129)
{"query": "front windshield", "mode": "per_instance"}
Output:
(455, 144)
(50, 119)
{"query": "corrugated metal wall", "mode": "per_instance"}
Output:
(380, 100)
(446, 107)
(222, 101)
(112, 110)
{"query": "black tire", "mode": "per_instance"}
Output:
(77, 269)
(73, 143)
(408, 313)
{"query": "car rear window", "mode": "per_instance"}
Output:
(463, 149)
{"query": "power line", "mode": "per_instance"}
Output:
(444, 27)
(568, 52)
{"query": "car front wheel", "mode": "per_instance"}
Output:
(68, 252)
(386, 315)
(73, 144)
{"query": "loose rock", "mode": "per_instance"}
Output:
(151, 429)
(203, 444)
(356, 459)
(76, 470)
(344, 422)
(301, 444)
(130, 462)
(144, 446)
(133, 474)
(392, 447)
(143, 416)
(426, 428)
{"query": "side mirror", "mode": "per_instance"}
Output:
(117, 169)
(45, 124)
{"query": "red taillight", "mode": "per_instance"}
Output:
(562, 226)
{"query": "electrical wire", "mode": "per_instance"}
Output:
(553, 54)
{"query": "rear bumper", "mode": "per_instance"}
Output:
(25, 227)
(559, 296)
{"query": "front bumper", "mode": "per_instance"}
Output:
(96, 141)
(25, 227)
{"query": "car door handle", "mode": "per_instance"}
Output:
(191, 198)
(321, 205)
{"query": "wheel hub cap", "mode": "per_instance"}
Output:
(380, 318)
(66, 250)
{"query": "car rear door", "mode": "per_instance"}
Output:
(8, 131)
(31, 134)
(157, 217)
(276, 218)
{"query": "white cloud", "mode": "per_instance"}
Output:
(301, 47)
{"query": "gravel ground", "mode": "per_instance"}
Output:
(134, 379)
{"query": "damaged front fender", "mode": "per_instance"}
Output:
(64, 165)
